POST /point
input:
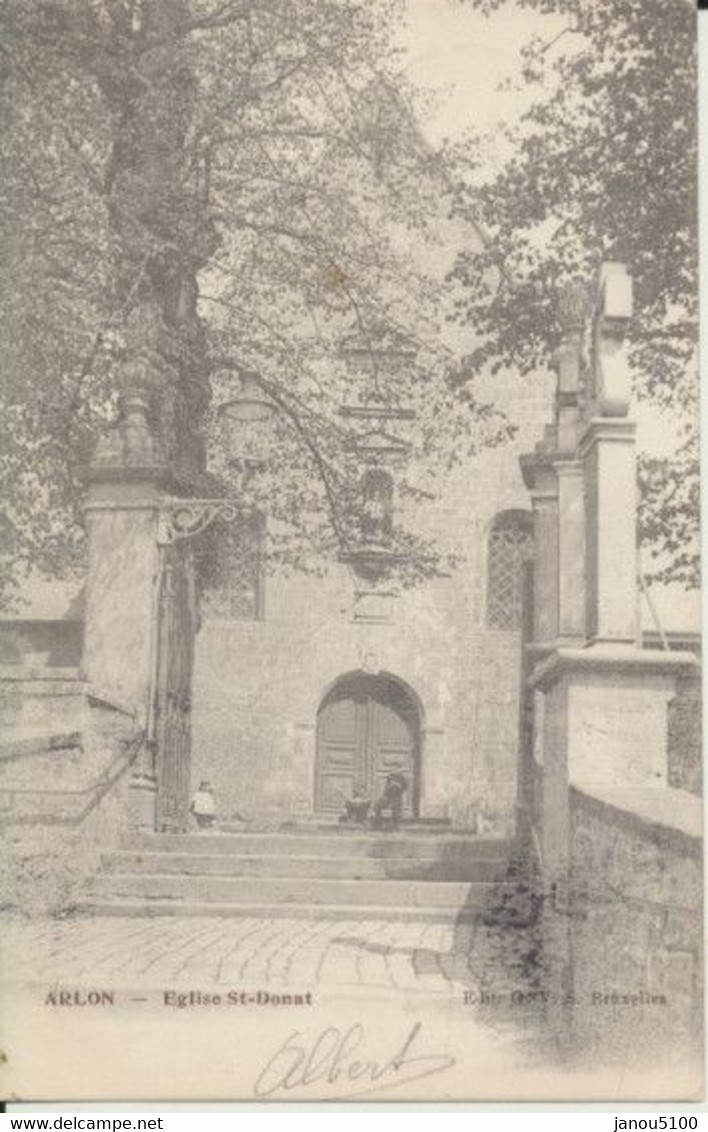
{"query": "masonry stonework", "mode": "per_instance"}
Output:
(258, 685)
(635, 934)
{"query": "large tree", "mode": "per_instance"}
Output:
(216, 186)
(602, 164)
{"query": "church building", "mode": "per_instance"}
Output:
(305, 687)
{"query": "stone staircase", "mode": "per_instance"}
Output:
(316, 873)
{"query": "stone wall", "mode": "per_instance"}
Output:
(55, 644)
(258, 684)
(64, 798)
(631, 926)
(685, 735)
(35, 700)
(620, 855)
(258, 688)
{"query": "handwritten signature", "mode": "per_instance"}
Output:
(337, 1057)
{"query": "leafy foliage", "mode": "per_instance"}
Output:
(601, 165)
(226, 186)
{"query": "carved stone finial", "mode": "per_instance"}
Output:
(572, 305)
(139, 382)
(138, 378)
(611, 374)
(130, 441)
(572, 310)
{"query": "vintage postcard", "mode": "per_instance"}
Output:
(350, 627)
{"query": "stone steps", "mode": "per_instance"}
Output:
(271, 864)
(319, 825)
(290, 890)
(315, 874)
(136, 907)
(446, 847)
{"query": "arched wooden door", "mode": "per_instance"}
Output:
(367, 727)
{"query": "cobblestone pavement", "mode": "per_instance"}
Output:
(278, 953)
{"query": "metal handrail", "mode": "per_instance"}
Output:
(653, 610)
(105, 778)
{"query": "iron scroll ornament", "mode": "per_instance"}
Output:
(186, 518)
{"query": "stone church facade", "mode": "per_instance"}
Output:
(305, 686)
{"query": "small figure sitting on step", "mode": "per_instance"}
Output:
(356, 807)
(388, 809)
(204, 806)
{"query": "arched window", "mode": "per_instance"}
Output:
(510, 546)
(376, 488)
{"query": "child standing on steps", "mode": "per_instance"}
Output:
(204, 806)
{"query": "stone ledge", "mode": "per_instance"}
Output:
(620, 659)
(18, 673)
(657, 812)
(97, 698)
(112, 471)
(41, 742)
(616, 430)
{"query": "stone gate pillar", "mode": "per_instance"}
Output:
(125, 482)
(571, 551)
(601, 734)
(571, 518)
(607, 450)
(540, 478)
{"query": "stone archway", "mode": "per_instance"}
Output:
(368, 726)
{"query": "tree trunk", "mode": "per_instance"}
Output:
(157, 210)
